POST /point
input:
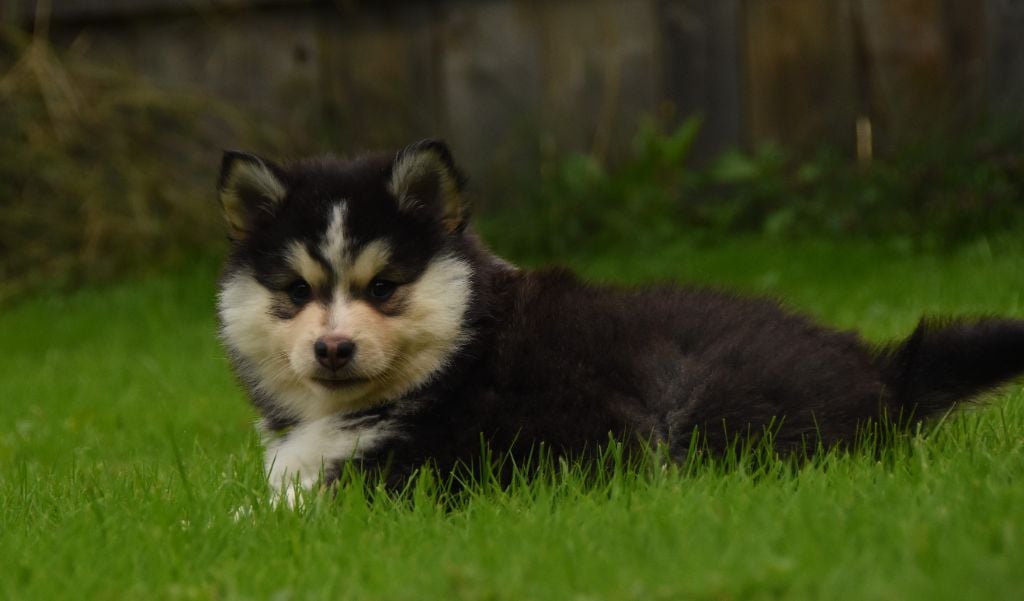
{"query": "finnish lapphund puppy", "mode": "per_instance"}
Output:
(370, 325)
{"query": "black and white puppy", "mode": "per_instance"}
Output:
(369, 323)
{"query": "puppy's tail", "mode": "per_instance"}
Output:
(943, 363)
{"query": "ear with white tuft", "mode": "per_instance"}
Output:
(249, 187)
(424, 177)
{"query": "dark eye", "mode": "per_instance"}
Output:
(300, 292)
(381, 289)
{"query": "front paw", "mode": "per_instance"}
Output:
(289, 486)
(290, 495)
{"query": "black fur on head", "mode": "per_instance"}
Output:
(422, 180)
(374, 249)
(412, 198)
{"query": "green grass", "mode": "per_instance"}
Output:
(125, 448)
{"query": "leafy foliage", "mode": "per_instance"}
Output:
(584, 205)
(930, 195)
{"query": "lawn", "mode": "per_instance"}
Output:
(126, 448)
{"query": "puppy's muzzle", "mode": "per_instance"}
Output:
(334, 352)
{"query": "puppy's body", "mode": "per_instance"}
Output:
(370, 324)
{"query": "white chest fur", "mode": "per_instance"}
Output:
(298, 459)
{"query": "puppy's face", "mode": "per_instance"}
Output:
(345, 286)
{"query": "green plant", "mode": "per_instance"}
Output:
(933, 194)
(583, 205)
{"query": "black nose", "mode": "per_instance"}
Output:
(333, 352)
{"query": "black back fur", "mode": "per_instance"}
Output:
(568, 363)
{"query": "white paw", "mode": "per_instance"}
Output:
(242, 512)
(296, 462)
(290, 493)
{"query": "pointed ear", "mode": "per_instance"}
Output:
(249, 186)
(424, 176)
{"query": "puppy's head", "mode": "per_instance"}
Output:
(346, 284)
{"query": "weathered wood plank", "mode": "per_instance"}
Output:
(599, 63)
(799, 79)
(74, 10)
(927, 62)
(1006, 73)
(511, 81)
(701, 69)
(379, 73)
(492, 87)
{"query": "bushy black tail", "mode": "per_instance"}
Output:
(943, 363)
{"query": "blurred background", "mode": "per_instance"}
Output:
(583, 124)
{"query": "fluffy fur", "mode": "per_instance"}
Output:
(435, 343)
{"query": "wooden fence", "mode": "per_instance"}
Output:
(509, 82)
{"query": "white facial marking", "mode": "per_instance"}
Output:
(356, 275)
(338, 313)
(394, 354)
(244, 306)
(305, 452)
(430, 330)
(305, 265)
(266, 345)
(335, 246)
(371, 260)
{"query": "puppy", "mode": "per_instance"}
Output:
(370, 324)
